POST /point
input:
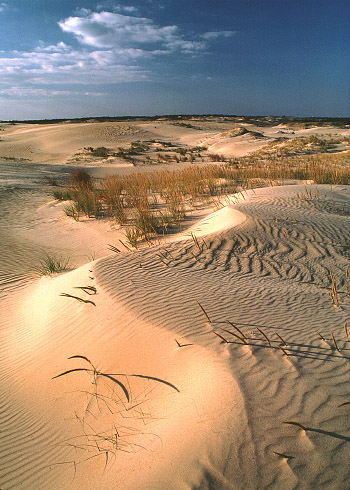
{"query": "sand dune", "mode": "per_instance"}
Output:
(222, 419)
(60, 143)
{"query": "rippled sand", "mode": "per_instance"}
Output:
(227, 416)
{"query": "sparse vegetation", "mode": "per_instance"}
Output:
(153, 203)
(50, 264)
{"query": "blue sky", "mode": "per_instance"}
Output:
(64, 58)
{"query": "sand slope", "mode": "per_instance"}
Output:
(226, 426)
(59, 143)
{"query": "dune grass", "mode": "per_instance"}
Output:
(51, 264)
(114, 377)
(150, 204)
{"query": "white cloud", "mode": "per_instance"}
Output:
(61, 64)
(115, 30)
(116, 8)
(128, 9)
(34, 93)
(217, 34)
(3, 7)
(115, 48)
(186, 46)
(56, 48)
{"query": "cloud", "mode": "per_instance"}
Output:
(15, 92)
(3, 7)
(116, 8)
(61, 64)
(115, 47)
(115, 30)
(217, 34)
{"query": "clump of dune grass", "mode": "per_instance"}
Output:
(80, 178)
(132, 236)
(51, 264)
(151, 204)
(87, 202)
(333, 291)
(62, 194)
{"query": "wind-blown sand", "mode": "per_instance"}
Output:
(263, 263)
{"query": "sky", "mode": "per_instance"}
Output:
(68, 58)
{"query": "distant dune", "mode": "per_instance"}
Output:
(59, 143)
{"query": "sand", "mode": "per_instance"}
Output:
(60, 143)
(210, 410)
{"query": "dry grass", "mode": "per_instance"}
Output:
(81, 300)
(242, 339)
(238, 329)
(151, 204)
(264, 335)
(321, 336)
(111, 376)
(333, 292)
(296, 424)
(283, 342)
(50, 264)
(334, 342)
(283, 350)
(205, 313)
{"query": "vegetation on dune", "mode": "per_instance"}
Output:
(284, 147)
(150, 204)
(50, 264)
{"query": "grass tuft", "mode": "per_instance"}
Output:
(111, 376)
(52, 265)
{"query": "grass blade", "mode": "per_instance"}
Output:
(291, 422)
(280, 338)
(82, 357)
(205, 313)
(344, 403)
(282, 455)
(143, 376)
(235, 335)
(119, 383)
(284, 352)
(265, 337)
(221, 337)
(82, 300)
(334, 342)
(236, 328)
(71, 371)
